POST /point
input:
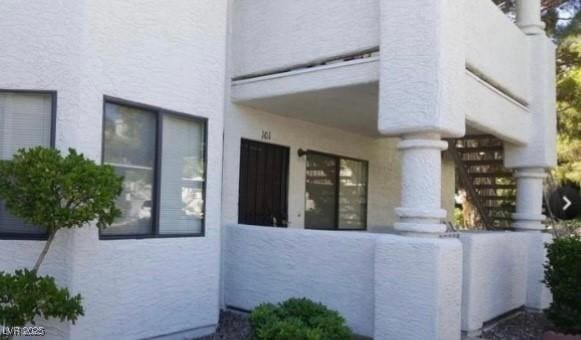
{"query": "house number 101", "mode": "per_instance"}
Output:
(265, 135)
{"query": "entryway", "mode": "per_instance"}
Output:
(262, 195)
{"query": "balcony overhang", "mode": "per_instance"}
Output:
(340, 95)
(344, 95)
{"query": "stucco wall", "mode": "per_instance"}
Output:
(384, 283)
(418, 285)
(297, 32)
(500, 271)
(88, 49)
(37, 54)
(488, 110)
(271, 265)
(505, 57)
(386, 286)
(382, 154)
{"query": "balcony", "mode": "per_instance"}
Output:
(322, 61)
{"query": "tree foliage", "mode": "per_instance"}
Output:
(25, 296)
(569, 102)
(554, 11)
(44, 188)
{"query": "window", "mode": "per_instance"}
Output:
(161, 156)
(336, 192)
(26, 120)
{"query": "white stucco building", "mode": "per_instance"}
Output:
(227, 116)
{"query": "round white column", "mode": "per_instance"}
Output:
(421, 210)
(528, 16)
(529, 199)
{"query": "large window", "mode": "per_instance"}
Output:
(161, 156)
(336, 192)
(26, 120)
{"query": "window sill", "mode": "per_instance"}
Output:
(142, 237)
(335, 229)
(23, 237)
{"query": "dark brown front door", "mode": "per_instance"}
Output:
(262, 197)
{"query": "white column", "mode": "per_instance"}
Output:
(528, 16)
(529, 199)
(421, 210)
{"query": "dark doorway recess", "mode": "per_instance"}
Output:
(263, 187)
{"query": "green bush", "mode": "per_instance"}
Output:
(24, 296)
(563, 277)
(297, 319)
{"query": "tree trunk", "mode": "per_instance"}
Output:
(44, 252)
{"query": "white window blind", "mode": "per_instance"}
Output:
(182, 176)
(25, 122)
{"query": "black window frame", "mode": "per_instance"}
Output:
(159, 114)
(53, 96)
(338, 159)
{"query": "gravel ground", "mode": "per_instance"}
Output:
(520, 326)
(233, 326)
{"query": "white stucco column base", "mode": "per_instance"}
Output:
(538, 295)
(529, 199)
(420, 210)
(423, 301)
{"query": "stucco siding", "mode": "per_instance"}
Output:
(85, 50)
(299, 32)
(386, 286)
(271, 265)
(499, 276)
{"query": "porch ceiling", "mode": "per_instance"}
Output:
(341, 95)
(352, 108)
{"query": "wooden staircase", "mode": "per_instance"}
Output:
(489, 186)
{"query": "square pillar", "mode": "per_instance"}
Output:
(423, 301)
(538, 294)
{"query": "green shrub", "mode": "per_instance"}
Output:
(563, 277)
(297, 319)
(24, 296)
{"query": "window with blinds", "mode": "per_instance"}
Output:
(162, 158)
(336, 192)
(26, 120)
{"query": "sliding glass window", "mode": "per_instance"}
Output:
(336, 192)
(161, 156)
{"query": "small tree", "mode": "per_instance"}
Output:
(45, 189)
